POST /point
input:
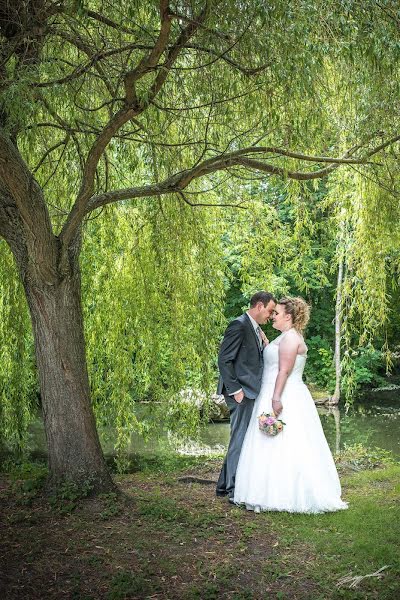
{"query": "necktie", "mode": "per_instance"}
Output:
(258, 331)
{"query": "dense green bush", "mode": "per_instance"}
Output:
(320, 368)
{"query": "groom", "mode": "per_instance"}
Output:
(240, 362)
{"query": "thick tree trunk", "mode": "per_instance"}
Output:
(54, 298)
(73, 444)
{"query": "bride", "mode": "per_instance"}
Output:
(293, 471)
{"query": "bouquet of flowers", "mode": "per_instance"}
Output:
(269, 424)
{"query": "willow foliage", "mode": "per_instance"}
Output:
(18, 385)
(317, 77)
(366, 214)
(153, 288)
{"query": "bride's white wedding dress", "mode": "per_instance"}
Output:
(293, 471)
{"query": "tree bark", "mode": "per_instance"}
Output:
(73, 444)
(54, 299)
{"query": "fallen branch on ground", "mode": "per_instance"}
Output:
(353, 581)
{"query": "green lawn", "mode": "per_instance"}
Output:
(167, 536)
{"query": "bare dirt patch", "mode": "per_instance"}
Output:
(163, 538)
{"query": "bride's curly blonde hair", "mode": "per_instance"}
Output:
(298, 309)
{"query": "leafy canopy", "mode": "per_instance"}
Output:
(162, 105)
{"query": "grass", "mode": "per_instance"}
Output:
(167, 536)
(357, 541)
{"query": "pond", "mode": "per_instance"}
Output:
(374, 421)
(370, 425)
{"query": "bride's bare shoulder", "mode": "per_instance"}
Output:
(292, 339)
(298, 340)
(293, 335)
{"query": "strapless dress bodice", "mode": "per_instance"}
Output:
(271, 364)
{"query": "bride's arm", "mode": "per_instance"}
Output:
(287, 355)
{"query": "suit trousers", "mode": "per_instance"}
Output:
(240, 414)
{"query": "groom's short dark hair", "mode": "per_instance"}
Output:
(263, 297)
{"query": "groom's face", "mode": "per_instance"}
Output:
(265, 312)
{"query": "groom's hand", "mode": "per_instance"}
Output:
(239, 396)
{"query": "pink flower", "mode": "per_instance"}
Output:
(271, 420)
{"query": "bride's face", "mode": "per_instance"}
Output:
(280, 320)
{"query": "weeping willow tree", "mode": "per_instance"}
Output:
(161, 107)
(366, 211)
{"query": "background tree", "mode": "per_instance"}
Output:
(165, 105)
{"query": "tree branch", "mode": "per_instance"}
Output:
(223, 56)
(131, 109)
(148, 63)
(178, 182)
(49, 151)
(176, 49)
(179, 109)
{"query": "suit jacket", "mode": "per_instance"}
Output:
(240, 359)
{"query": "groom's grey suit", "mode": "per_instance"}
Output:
(240, 362)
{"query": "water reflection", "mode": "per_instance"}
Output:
(371, 424)
(335, 412)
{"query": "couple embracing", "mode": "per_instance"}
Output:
(293, 471)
